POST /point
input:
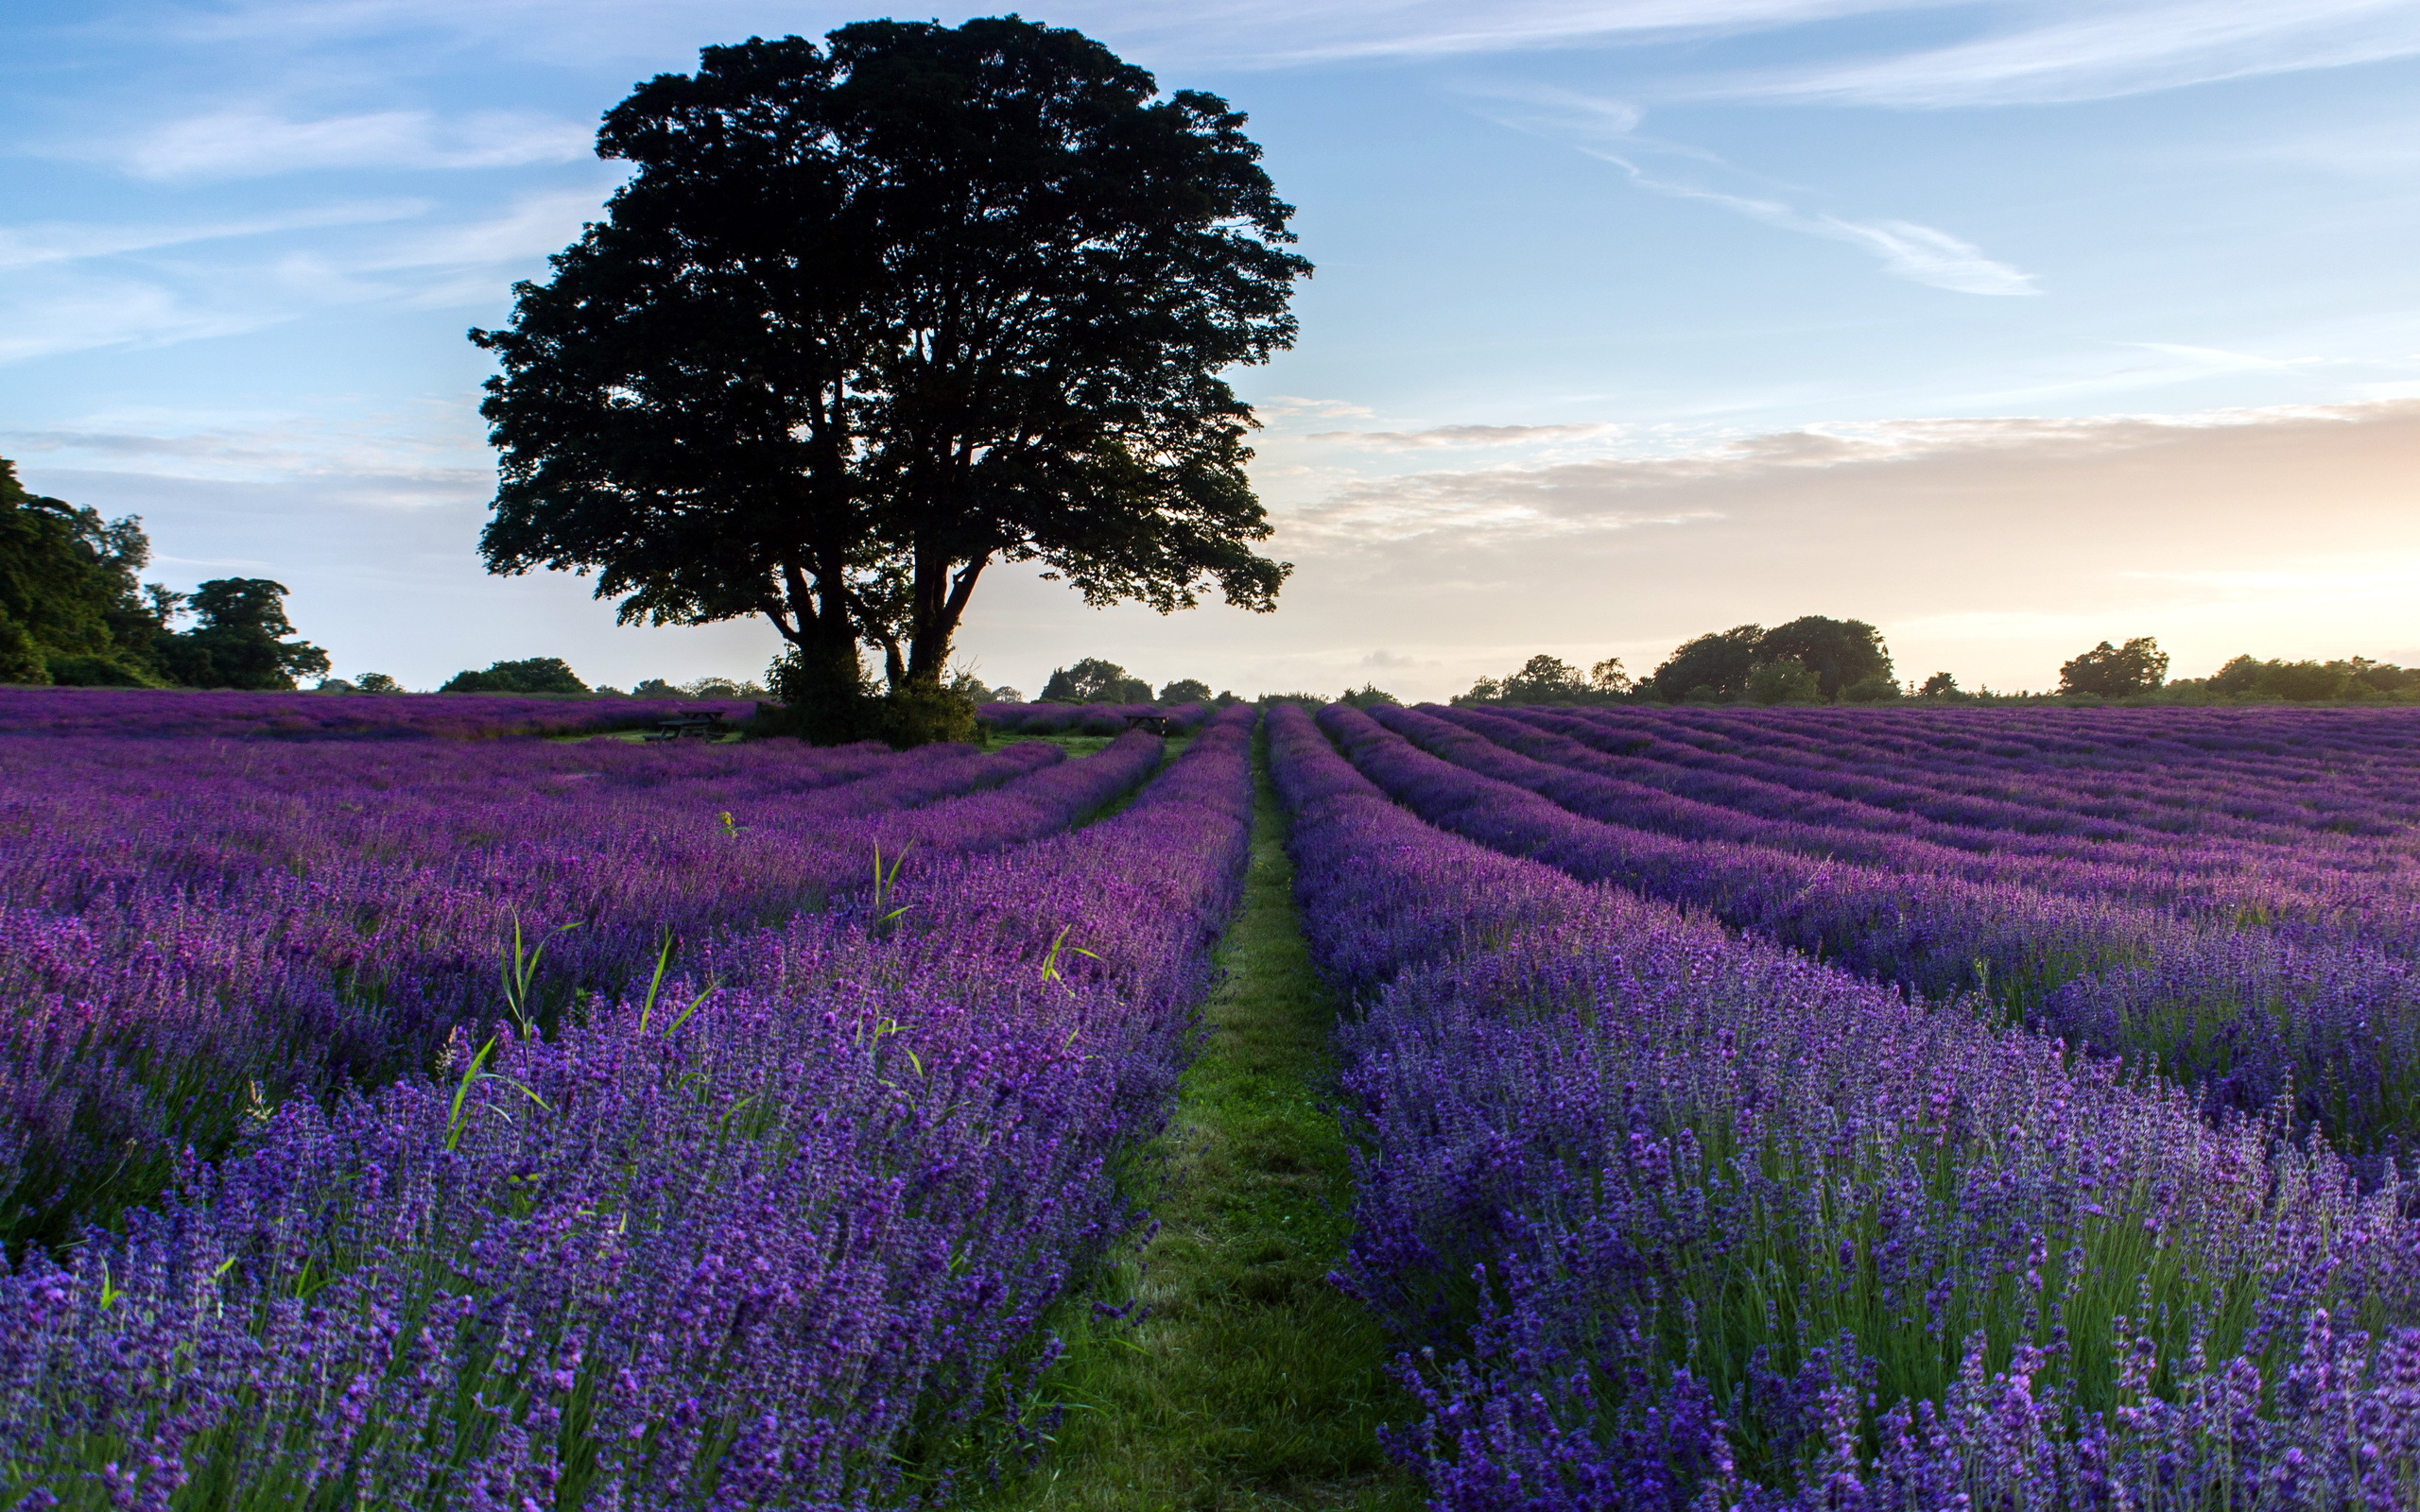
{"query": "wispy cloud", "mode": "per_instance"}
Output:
(2096, 50)
(1608, 129)
(1295, 406)
(68, 242)
(245, 142)
(58, 305)
(1455, 436)
(1508, 505)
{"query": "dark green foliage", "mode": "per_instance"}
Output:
(537, 674)
(1369, 696)
(71, 610)
(1944, 687)
(2352, 677)
(376, 683)
(1185, 690)
(1094, 680)
(867, 317)
(2114, 671)
(1838, 652)
(241, 641)
(1784, 679)
(1551, 679)
(1881, 688)
(1718, 662)
(817, 705)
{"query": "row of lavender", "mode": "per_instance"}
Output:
(2298, 819)
(194, 928)
(155, 713)
(781, 1228)
(2251, 1018)
(1672, 1219)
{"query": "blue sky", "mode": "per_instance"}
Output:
(2010, 327)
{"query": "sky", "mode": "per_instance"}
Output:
(2008, 327)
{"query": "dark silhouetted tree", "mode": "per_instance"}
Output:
(1094, 680)
(1185, 690)
(869, 316)
(2114, 671)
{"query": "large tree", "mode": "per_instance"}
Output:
(2114, 671)
(871, 316)
(1719, 662)
(242, 640)
(1840, 653)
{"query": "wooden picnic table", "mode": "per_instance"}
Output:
(702, 724)
(1156, 724)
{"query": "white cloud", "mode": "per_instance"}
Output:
(1454, 435)
(1607, 129)
(2096, 49)
(245, 142)
(68, 242)
(1924, 255)
(58, 306)
(1510, 505)
(1293, 406)
(1921, 254)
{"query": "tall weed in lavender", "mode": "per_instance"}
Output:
(1667, 1218)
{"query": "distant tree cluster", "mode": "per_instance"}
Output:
(1550, 679)
(2115, 671)
(537, 674)
(2356, 678)
(73, 610)
(1811, 659)
(1097, 680)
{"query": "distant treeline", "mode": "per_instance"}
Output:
(1818, 660)
(74, 612)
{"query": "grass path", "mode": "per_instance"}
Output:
(1251, 1384)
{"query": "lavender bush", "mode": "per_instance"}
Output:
(176, 712)
(2330, 1028)
(1672, 1219)
(778, 1228)
(205, 927)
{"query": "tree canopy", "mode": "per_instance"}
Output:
(869, 316)
(2113, 671)
(1841, 656)
(1716, 664)
(1095, 680)
(1546, 679)
(537, 674)
(242, 640)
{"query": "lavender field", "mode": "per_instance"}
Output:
(1856, 1109)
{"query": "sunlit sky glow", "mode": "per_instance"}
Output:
(2011, 327)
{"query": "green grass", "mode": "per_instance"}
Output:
(1249, 1382)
